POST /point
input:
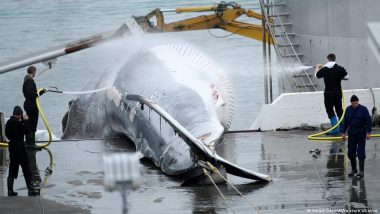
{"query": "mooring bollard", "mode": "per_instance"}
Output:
(121, 171)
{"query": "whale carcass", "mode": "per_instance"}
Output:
(182, 81)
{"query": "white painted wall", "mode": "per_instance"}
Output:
(374, 39)
(290, 110)
(335, 26)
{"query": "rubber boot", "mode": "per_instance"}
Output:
(31, 190)
(35, 178)
(333, 122)
(31, 140)
(361, 169)
(340, 127)
(10, 182)
(353, 168)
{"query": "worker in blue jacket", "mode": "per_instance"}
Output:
(358, 123)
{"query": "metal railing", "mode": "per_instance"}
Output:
(285, 39)
(275, 42)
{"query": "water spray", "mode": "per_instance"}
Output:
(55, 90)
(297, 68)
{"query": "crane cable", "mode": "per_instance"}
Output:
(39, 145)
(334, 138)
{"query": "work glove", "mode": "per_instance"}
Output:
(25, 117)
(42, 92)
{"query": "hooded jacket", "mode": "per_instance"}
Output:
(332, 75)
(15, 130)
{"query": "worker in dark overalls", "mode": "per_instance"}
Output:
(15, 130)
(332, 74)
(358, 123)
(29, 90)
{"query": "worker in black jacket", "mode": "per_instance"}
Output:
(358, 122)
(29, 90)
(15, 130)
(332, 75)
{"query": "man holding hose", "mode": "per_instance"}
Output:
(332, 75)
(29, 90)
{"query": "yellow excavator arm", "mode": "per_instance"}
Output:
(223, 17)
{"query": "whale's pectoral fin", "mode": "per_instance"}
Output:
(240, 171)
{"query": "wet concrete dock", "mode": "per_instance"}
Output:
(301, 183)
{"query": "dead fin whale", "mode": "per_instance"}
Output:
(201, 150)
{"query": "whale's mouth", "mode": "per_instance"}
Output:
(209, 132)
(204, 137)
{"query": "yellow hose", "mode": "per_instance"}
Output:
(40, 145)
(3, 144)
(43, 145)
(317, 136)
(51, 163)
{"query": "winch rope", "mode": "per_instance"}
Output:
(217, 188)
(320, 179)
(214, 169)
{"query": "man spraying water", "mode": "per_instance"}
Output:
(29, 90)
(332, 75)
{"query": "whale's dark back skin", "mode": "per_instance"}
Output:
(181, 81)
